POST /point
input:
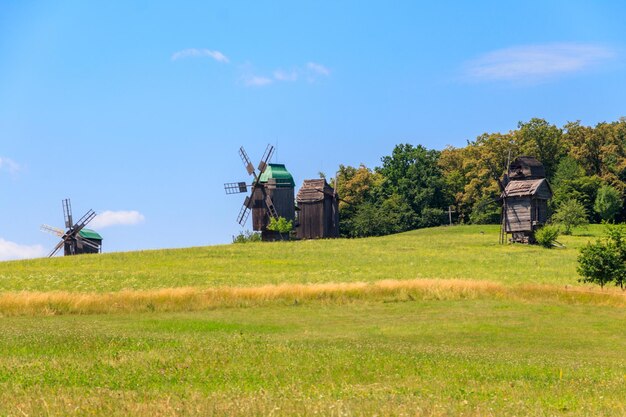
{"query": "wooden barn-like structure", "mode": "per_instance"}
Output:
(525, 199)
(318, 210)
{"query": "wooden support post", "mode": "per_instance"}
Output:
(450, 211)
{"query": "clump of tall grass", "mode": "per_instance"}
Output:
(192, 298)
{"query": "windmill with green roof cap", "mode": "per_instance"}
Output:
(76, 239)
(271, 193)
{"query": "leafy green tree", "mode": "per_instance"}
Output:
(451, 162)
(617, 236)
(570, 182)
(599, 263)
(486, 158)
(486, 211)
(542, 140)
(608, 202)
(571, 213)
(393, 215)
(584, 146)
(432, 216)
(357, 187)
(399, 214)
(369, 220)
(567, 170)
(412, 173)
(604, 261)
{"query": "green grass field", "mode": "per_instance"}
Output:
(463, 326)
(468, 252)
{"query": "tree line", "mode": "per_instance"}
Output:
(414, 186)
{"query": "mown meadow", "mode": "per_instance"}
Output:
(440, 322)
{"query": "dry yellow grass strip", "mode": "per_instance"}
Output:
(188, 299)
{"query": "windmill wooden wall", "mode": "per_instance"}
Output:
(526, 205)
(282, 195)
(318, 206)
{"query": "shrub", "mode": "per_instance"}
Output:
(280, 225)
(247, 236)
(604, 261)
(547, 235)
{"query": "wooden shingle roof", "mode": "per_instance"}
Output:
(314, 190)
(539, 188)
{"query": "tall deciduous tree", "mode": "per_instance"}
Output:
(571, 213)
(608, 202)
(357, 187)
(542, 140)
(412, 173)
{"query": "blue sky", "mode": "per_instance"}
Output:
(137, 109)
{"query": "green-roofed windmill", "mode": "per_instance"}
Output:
(271, 193)
(76, 239)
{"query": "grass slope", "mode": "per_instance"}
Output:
(464, 252)
(478, 358)
(492, 332)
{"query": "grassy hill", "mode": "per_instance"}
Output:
(466, 252)
(439, 322)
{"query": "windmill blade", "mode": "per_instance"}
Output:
(270, 206)
(56, 248)
(269, 151)
(243, 214)
(52, 230)
(86, 242)
(83, 221)
(235, 187)
(67, 213)
(246, 161)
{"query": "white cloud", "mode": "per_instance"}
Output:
(114, 218)
(193, 52)
(281, 75)
(536, 62)
(11, 250)
(256, 81)
(318, 69)
(310, 72)
(9, 165)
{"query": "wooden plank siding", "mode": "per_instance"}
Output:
(518, 214)
(524, 214)
(318, 215)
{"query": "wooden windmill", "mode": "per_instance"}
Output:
(525, 192)
(76, 239)
(271, 193)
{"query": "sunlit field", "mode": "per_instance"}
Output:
(464, 252)
(441, 322)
